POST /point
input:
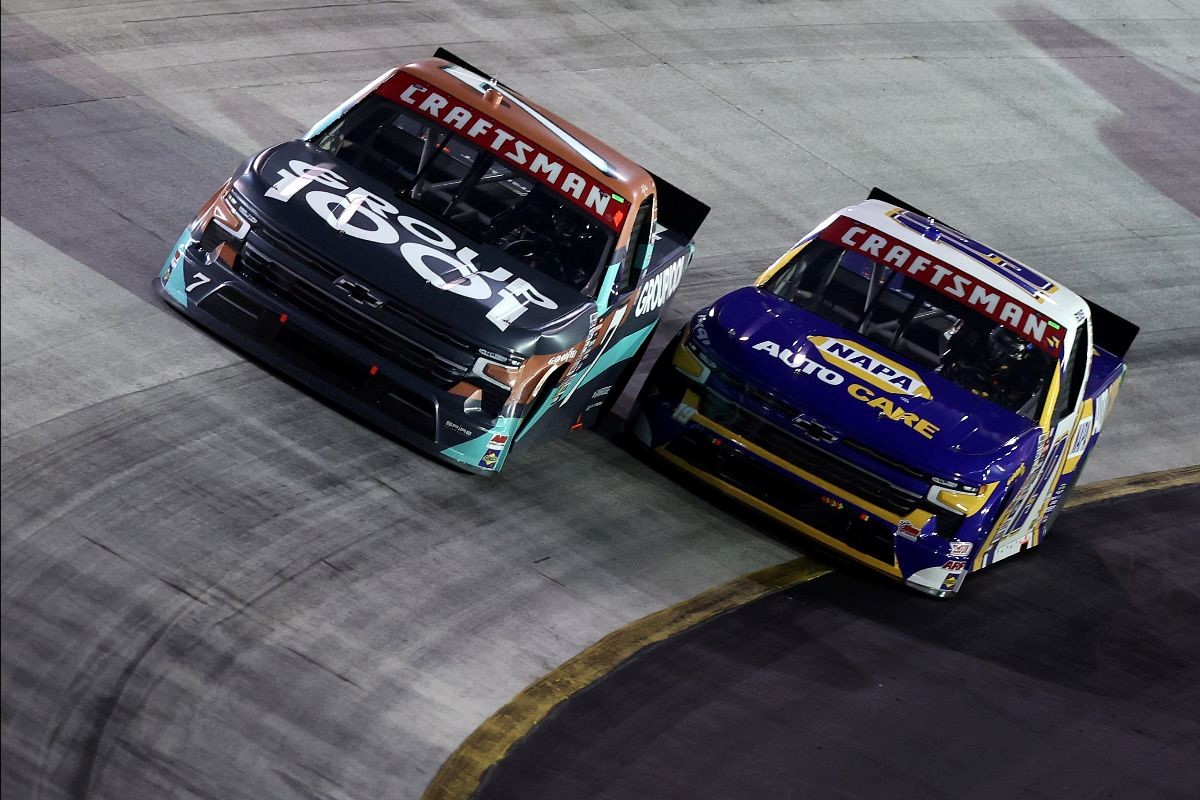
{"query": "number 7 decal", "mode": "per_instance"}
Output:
(201, 279)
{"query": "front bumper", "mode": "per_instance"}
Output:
(847, 511)
(306, 348)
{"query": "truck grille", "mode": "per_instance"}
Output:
(234, 308)
(759, 396)
(393, 308)
(289, 286)
(807, 456)
(781, 491)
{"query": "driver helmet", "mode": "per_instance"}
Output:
(568, 224)
(1005, 349)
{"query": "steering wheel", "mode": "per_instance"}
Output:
(530, 251)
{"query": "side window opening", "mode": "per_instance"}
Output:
(639, 245)
(1068, 397)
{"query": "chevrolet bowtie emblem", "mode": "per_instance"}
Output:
(813, 430)
(358, 293)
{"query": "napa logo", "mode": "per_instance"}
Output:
(867, 365)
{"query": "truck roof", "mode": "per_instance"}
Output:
(556, 152)
(1007, 276)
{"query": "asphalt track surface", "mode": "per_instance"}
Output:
(1070, 671)
(216, 586)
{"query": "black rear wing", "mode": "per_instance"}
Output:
(1111, 332)
(678, 210)
(446, 55)
(880, 194)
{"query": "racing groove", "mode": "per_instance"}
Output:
(215, 586)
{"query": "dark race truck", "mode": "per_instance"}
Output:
(895, 390)
(445, 259)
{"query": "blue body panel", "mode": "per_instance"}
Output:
(851, 443)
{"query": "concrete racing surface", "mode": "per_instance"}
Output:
(216, 586)
(1068, 671)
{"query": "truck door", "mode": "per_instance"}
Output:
(620, 331)
(615, 338)
(1064, 439)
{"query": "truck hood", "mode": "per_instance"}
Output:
(857, 388)
(404, 253)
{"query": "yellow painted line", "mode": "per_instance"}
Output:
(460, 775)
(1136, 484)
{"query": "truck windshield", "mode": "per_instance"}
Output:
(918, 324)
(470, 189)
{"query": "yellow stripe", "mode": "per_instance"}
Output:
(459, 776)
(792, 522)
(766, 455)
(1000, 521)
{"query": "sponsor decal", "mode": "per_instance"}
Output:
(1009, 546)
(960, 549)
(1052, 503)
(700, 332)
(436, 257)
(1082, 434)
(454, 426)
(483, 130)
(562, 358)
(955, 565)
(1045, 468)
(601, 392)
(868, 365)
(589, 344)
(888, 408)
(1002, 309)
(495, 447)
(1102, 403)
(658, 290)
(893, 411)
(683, 413)
(909, 531)
(799, 363)
(950, 582)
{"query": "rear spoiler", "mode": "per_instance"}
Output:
(446, 55)
(1109, 331)
(678, 210)
(880, 194)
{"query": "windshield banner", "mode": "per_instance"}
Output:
(950, 281)
(479, 128)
